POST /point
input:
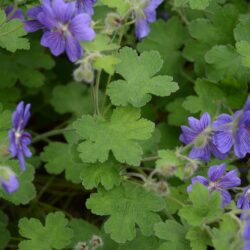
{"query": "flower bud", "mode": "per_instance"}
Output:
(112, 22)
(96, 241)
(81, 246)
(85, 73)
(8, 180)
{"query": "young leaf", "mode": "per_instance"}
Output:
(107, 174)
(174, 233)
(26, 191)
(58, 159)
(139, 81)
(127, 205)
(55, 234)
(11, 34)
(107, 63)
(205, 206)
(119, 135)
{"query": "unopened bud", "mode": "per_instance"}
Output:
(85, 73)
(112, 22)
(96, 242)
(81, 246)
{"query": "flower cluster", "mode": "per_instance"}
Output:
(18, 138)
(219, 180)
(218, 137)
(63, 25)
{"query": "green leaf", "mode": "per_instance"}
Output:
(199, 238)
(167, 38)
(58, 158)
(207, 33)
(107, 174)
(26, 66)
(4, 233)
(107, 63)
(26, 191)
(119, 135)
(241, 32)
(127, 205)
(174, 233)
(55, 234)
(205, 206)
(225, 63)
(140, 82)
(75, 97)
(11, 34)
(243, 48)
(101, 43)
(177, 114)
(204, 102)
(121, 5)
(226, 237)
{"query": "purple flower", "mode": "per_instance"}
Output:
(85, 6)
(200, 135)
(244, 201)
(233, 131)
(218, 180)
(64, 28)
(145, 16)
(246, 235)
(14, 14)
(18, 138)
(8, 180)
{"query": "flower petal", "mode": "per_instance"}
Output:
(223, 141)
(63, 11)
(141, 28)
(73, 49)
(216, 172)
(230, 180)
(54, 41)
(188, 135)
(226, 197)
(80, 28)
(200, 153)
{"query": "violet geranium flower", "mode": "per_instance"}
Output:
(233, 131)
(145, 13)
(200, 135)
(246, 235)
(85, 6)
(13, 14)
(8, 180)
(218, 180)
(18, 138)
(63, 26)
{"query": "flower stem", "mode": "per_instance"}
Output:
(51, 133)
